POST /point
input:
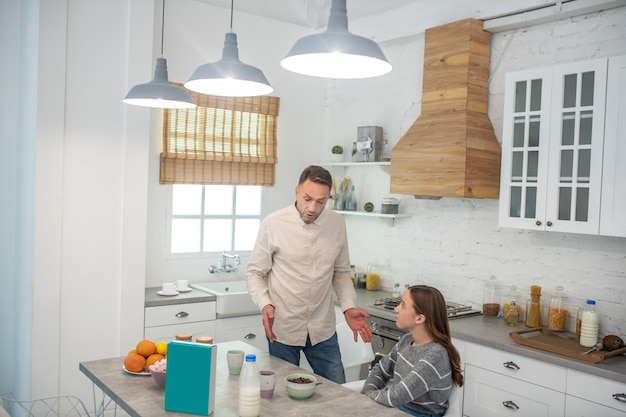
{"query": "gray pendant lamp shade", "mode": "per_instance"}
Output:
(159, 92)
(337, 53)
(229, 76)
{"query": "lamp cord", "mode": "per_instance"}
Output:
(232, 5)
(162, 27)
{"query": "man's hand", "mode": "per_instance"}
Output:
(355, 317)
(268, 322)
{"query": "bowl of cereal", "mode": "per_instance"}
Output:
(300, 386)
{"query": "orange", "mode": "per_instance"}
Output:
(132, 351)
(146, 348)
(134, 362)
(153, 358)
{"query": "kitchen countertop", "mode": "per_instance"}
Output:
(152, 299)
(139, 396)
(495, 333)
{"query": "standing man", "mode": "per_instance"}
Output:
(300, 256)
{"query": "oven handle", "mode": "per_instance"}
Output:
(387, 333)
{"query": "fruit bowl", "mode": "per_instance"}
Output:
(300, 386)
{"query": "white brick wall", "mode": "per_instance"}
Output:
(456, 244)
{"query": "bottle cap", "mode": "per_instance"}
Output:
(250, 357)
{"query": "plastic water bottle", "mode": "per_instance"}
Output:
(589, 325)
(250, 388)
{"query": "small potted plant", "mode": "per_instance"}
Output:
(336, 154)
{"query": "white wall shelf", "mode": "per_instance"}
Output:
(373, 214)
(380, 215)
(354, 164)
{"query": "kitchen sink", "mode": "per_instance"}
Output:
(232, 298)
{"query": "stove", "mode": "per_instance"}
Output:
(455, 310)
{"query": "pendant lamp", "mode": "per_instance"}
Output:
(336, 53)
(159, 92)
(229, 76)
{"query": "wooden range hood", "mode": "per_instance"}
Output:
(451, 150)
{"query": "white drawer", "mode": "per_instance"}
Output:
(248, 329)
(575, 407)
(516, 366)
(490, 394)
(596, 389)
(168, 333)
(179, 313)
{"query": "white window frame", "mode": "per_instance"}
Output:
(202, 254)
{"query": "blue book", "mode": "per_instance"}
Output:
(190, 378)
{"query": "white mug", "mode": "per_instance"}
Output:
(182, 284)
(168, 288)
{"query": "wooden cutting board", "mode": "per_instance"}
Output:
(562, 344)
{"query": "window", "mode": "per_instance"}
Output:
(213, 218)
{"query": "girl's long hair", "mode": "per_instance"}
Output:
(429, 302)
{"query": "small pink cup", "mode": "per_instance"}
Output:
(268, 382)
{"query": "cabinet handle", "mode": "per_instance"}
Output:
(549, 224)
(182, 314)
(538, 222)
(620, 397)
(510, 404)
(250, 336)
(511, 365)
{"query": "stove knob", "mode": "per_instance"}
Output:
(373, 326)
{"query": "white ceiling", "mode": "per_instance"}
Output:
(312, 13)
(397, 18)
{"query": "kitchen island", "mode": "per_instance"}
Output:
(139, 396)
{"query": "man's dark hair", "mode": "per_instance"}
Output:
(316, 174)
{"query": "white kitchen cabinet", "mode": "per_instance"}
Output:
(590, 395)
(161, 323)
(499, 383)
(491, 394)
(247, 329)
(552, 148)
(613, 205)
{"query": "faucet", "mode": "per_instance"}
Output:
(223, 265)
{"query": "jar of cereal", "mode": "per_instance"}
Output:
(557, 313)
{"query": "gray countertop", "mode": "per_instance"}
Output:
(495, 333)
(139, 396)
(477, 329)
(152, 299)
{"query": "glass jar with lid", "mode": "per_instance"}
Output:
(512, 306)
(491, 298)
(533, 311)
(557, 313)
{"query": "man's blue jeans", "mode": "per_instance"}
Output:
(324, 358)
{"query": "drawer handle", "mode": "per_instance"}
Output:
(620, 397)
(511, 405)
(250, 336)
(182, 314)
(511, 365)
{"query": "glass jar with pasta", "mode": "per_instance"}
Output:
(372, 278)
(557, 313)
(512, 306)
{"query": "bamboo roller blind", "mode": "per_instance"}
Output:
(225, 140)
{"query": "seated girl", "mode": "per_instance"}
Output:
(418, 374)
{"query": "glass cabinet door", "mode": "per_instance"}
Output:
(552, 143)
(525, 147)
(576, 136)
